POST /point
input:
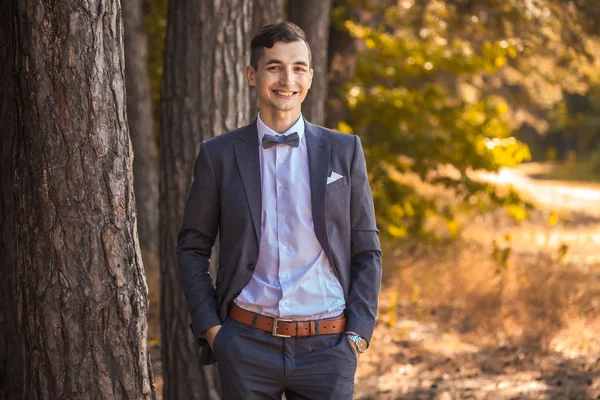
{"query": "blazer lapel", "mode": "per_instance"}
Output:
(248, 161)
(318, 162)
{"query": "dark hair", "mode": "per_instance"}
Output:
(269, 34)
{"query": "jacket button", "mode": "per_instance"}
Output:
(251, 267)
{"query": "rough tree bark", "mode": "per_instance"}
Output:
(139, 116)
(204, 94)
(313, 17)
(11, 355)
(81, 292)
(264, 12)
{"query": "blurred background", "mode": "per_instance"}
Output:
(481, 127)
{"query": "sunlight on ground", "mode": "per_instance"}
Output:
(555, 195)
(578, 339)
(574, 209)
(449, 344)
(446, 368)
(424, 360)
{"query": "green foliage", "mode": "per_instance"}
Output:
(550, 83)
(407, 105)
(575, 134)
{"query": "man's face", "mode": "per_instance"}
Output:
(283, 77)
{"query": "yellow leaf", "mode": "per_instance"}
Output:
(344, 127)
(517, 212)
(453, 227)
(416, 294)
(397, 231)
(502, 108)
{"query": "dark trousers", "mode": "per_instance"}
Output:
(254, 364)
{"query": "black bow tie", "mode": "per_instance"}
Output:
(293, 139)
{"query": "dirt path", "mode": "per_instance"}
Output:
(582, 197)
(570, 216)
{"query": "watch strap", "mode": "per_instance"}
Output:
(359, 342)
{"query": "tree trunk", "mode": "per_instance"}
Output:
(313, 17)
(204, 94)
(139, 116)
(81, 292)
(145, 152)
(342, 60)
(11, 351)
(264, 12)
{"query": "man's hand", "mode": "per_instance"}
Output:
(210, 335)
(353, 345)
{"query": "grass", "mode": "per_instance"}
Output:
(465, 291)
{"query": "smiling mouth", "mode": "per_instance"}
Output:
(284, 93)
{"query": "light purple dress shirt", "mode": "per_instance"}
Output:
(293, 278)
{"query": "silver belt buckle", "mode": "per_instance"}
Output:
(275, 322)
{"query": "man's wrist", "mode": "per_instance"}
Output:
(359, 342)
(207, 331)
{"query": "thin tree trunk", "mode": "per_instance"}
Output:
(82, 295)
(139, 116)
(342, 60)
(11, 351)
(264, 12)
(204, 94)
(313, 17)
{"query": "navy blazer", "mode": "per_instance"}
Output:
(225, 198)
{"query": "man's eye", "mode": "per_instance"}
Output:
(273, 68)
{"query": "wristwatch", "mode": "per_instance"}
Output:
(359, 341)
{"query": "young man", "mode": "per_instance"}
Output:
(299, 261)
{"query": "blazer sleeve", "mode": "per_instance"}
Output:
(194, 244)
(365, 262)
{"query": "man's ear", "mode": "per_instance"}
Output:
(250, 75)
(311, 77)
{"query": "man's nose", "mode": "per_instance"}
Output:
(285, 78)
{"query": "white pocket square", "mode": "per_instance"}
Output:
(333, 177)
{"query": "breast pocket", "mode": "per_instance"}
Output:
(333, 186)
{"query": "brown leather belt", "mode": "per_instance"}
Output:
(287, 328)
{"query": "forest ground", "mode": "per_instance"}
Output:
(457, 323)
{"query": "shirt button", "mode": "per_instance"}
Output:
(282, 217)
(283, 248)
(283, 304)
(280, 161)
(280, 188)
(251, 267)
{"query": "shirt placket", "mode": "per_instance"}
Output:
(282, 176)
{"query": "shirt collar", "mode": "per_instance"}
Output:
(264, 129)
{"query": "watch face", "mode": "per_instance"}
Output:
(362, 344)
